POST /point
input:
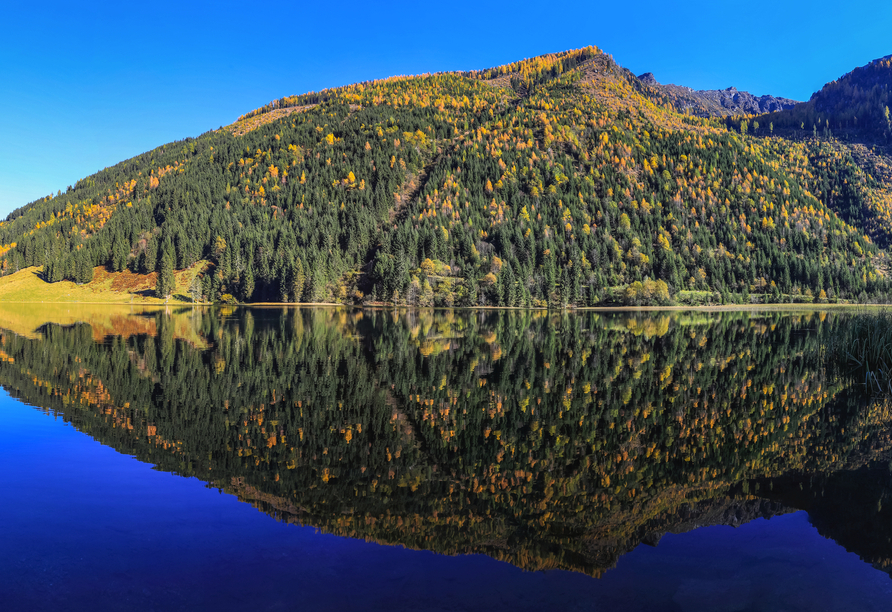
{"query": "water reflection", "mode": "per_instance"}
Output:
(545, 440)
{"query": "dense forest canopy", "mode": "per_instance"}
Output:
(557, 181)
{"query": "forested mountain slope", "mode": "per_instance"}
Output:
(559, 180)
(845, 130)
(856, 104)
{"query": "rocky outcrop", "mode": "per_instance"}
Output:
(715, 102)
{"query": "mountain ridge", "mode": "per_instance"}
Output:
(560, 180)
(854, 106)
(718, 102)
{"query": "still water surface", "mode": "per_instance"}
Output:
(320, 459)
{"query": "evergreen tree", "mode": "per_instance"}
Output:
(247, 285)
(166, 281)
(84, 267)
(299, 280)
(120, 252)
(284, 283)
(150, 260)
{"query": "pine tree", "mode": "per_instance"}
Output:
(195, 288)
(283, 278)
(247, 287)
(150, 261)
(84, 268)
(165, 284)
(317, 287)
(566, 288)
(472, 298)
(120, 251)
(299, 280)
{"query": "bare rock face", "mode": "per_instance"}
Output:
(648, 78)
(715, 102)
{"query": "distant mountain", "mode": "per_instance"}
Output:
(560, 180)
(854, 106)
(717, 102)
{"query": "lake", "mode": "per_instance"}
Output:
(338, 459)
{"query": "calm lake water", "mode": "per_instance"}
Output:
(334, 459)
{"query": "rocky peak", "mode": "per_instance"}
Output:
(716, 102)
(648, 78)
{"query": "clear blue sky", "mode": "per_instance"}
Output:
(84, 87)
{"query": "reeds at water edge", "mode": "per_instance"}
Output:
(863, 350)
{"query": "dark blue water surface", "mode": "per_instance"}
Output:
(84, 526)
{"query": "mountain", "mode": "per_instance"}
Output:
(553, 181)
(846, 128)
(717, 102)
(855, 106)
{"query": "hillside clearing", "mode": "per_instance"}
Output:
(119, 287)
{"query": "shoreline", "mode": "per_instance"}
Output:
(715, 307)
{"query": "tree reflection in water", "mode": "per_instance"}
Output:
(546, 440)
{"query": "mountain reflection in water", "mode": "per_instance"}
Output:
(545, 440)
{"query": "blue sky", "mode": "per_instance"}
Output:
(86, 85)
